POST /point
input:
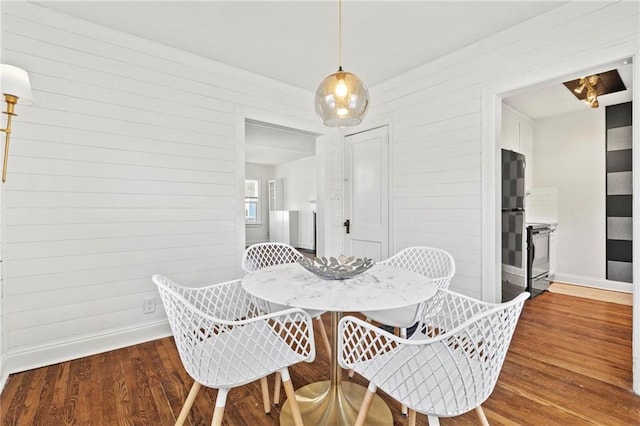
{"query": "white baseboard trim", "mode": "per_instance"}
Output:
(593, 282)
(3, 377)
(35, 357)
(250, 243)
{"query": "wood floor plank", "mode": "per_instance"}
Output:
(155, 374)
(39, 396)
(59, 394)
(80, 385)
(13, 396)
(592, 293)
(121, 385)
(580, 398)
(569, 364)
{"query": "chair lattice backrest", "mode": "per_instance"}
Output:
(449, 366)
(224, 340)
(431, 262)
(262, 255)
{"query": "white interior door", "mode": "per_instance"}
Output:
(366, 190)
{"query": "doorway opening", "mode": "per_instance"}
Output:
(493, 95)
(280, 186)
(577, 184)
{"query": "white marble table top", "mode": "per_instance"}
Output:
(381, 287)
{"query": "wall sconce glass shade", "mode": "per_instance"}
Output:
(342, 99)
(15, 81)
(14, 85)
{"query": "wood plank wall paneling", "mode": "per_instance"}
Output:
(437, 130)
(126, 166)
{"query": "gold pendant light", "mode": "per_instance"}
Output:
(342, 98)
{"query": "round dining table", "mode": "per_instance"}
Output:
(334, 402)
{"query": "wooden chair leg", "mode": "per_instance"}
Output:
(265, 395)
(481, 415)
(218, 412)
(188, 403)
(412, 418)
(276, 389)
(364, 408)
(293, 403)
(323, 333)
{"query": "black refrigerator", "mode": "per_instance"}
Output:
(514, 276)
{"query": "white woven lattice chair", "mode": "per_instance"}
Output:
(449, 366)
(434, 263)
(225, 340)
(263, 255)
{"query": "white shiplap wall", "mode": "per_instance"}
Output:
(437, 126)
(128, 165)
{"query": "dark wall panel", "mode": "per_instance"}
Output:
(619, 161)
(619, 208)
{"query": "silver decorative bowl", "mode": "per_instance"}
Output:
(339, 268)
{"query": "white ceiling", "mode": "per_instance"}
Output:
(273, 145)
(553, 98)
(297, 41)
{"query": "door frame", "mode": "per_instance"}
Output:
(242, 114)
(492, 95)
(382, 121)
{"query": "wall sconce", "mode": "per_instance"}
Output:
(14, 85)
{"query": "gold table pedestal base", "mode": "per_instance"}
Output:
(323, 404)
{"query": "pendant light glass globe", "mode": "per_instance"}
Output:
(342, 99)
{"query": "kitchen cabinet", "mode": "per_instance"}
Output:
(306, 229)
(284, 226)
(276, 194)
(517, 135)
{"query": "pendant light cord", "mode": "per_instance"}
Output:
(339, 35)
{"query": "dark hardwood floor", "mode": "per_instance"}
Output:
(569, 364)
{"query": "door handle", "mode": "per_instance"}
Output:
(347, 224)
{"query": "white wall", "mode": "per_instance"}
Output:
(436, 115)
(569, 153)
(299, 183)
(329, 203)
(300, 187)
(264, 173)
(129, 164)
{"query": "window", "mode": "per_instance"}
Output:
(251, 201)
